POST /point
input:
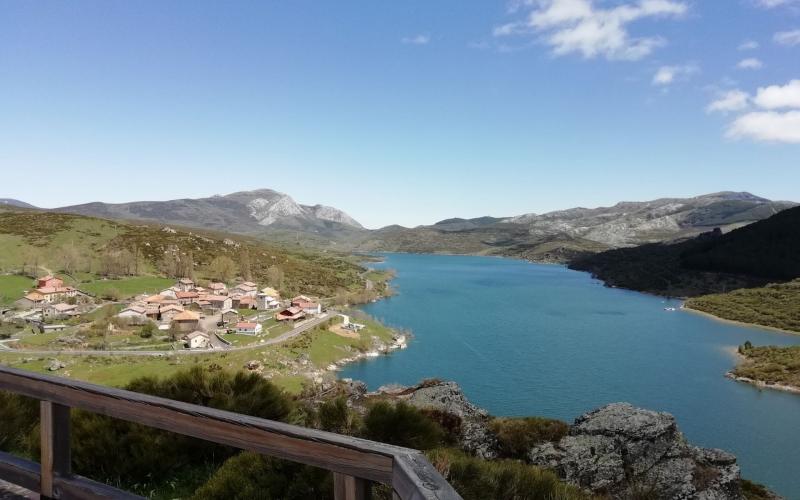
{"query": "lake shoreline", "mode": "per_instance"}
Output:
(739, 323)
(760, 384)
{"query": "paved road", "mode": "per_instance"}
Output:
(299, 329)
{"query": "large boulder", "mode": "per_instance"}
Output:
(623, 451)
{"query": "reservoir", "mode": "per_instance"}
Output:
(530, 339)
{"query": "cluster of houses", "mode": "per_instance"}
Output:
(180, 308)
(51, 298)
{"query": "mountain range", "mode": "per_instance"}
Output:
(556, 236)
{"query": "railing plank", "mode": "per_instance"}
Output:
(26, 474)
(19, 471)
(415, 478)
(409, 473)
(54, 434)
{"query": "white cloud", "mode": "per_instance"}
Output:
(750, 63)
(733, 100)
(666, 75)
(767, 126)
(578, 26)
(790, 38)
(778, 120)
(748, 45)
(416, 39)
(778, 97)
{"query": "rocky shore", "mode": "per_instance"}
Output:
(617, 451)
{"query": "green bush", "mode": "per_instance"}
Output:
(152, 455)
(477, 479)
(516, 436)
(250, 475)
(19, 416)
(335, 416)
(402, 425)
(148, 330)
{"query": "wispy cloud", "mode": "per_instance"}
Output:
(667, 75)
(750, 63)
(771, 4)
(789, 38)
(579, 26)
(416, 39)
(748, 45)
(775, 119)
(732, 100)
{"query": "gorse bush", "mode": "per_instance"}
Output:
(403, 425)
(516, 436)
(477, 479)
(18, 416)
(335, 416)
(250, 475)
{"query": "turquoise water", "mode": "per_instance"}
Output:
(528, 339)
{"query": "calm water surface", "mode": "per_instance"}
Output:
(528, 339)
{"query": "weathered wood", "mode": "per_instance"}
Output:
(411, 476)
(414, 478)
(27, 474)
(350, 488)
(352, 456)
(54, 434)
(81, 488)
(19, 471)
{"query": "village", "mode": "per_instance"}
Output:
(185, 315)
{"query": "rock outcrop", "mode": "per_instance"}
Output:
(447, 397)
(625, 451)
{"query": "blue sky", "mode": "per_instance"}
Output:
(400, 112)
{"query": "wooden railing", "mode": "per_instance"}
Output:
(355, 463)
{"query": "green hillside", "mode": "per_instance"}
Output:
(86, 249)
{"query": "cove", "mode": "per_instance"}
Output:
(530, 339)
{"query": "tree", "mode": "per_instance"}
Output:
(244, 264)
(222, 268)
(275, 277)
(69, 258)
(148, 329)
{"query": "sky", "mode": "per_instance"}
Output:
(400, 112)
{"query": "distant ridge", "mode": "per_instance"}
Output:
(258, 212)
(15, 203)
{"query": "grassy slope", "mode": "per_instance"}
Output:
(11, 288)
(24, 233)
(775, 305)
(771, 365)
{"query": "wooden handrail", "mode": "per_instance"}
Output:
(355, 462)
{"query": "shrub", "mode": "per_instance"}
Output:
(477, 479)
(516, 436)
(335, 416)
(250, 475)
(152, 455)
(19, 416)
(148, 329)
(402, 425)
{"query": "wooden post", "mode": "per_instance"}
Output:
(350, 488)
(54, 430)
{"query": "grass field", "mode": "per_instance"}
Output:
(127, 287)
(12, 286)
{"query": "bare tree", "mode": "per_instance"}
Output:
(222, 268)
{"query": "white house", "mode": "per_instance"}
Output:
(265, 301)
(248, 328)
(134, 313)
(197, 340)
(185, 284)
